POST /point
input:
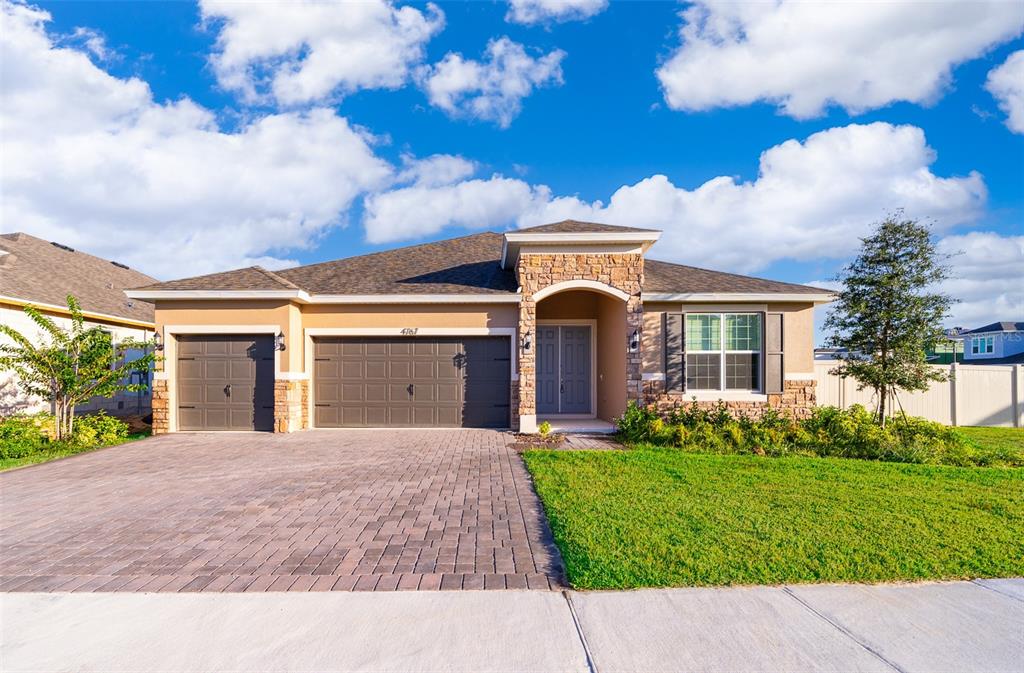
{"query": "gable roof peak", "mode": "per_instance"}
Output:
(580, 227)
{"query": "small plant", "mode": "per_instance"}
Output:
(544, 429)
(99, 430)
(634, 424)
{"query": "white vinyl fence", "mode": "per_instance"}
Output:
(973, 395)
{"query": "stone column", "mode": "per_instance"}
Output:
(634, 359)
(526, 416)
(160, 405)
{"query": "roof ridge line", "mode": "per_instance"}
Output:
(273, 276)
(390, 250)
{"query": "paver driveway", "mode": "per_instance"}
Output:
(318, 510)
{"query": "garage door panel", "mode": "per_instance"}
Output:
(455, 381)
(422, 369)
(225, 382)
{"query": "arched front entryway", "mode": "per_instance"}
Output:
(581, 347)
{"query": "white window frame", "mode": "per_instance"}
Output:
(983, 345)
(723, 353)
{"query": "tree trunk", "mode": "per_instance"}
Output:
(882, 393)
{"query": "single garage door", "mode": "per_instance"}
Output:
(412, 382)
(225, 382)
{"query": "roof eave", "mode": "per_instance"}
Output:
(303, 297)
(736, 297)
(514, 240)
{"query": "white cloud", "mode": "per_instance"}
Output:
(302, 52)
(421, 210)
(437, 169)
(805, 56)
(529, 12)
(987, 270)
(94, 162)
(1006, 84)
(811, 199)
(492, 89)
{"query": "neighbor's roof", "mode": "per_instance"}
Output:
(577, 227)
(465, 265)
(41, 272)
(997, 327)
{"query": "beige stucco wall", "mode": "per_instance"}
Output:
(797, 327)
(572, 305)
(611, 358)
(409, 315)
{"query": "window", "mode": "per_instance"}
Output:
(983, 345)
(723, 351)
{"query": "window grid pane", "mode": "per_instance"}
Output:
(743, 371)
(703, 371)
(742, 332)
(703, 332)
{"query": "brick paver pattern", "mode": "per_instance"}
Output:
(311, 511)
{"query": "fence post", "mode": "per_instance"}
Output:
(953, 401)
(1018, 396)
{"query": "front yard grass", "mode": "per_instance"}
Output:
(60, 451)
(650, 518)
(996, 440)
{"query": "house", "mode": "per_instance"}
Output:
(998, 343)
(43, 273)
(560, 321)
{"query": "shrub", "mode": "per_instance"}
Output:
(544, 429)
(828, 432)
(22, 435)
(100, 430)
(634, 424)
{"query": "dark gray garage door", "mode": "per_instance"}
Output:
(412, 382)
(225, 382)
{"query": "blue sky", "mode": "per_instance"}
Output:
(608, 98)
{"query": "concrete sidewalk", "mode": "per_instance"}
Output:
(961, 626)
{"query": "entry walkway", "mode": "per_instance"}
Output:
(956, 626)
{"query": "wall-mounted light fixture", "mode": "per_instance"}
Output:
(279, 341)
(527, 341)
(158, 342)
(634, 341)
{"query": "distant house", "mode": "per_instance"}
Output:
(998, 343)
(41, 273)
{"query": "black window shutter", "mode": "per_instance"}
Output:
(773, 355)
(672, 328)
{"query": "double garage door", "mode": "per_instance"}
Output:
(412, 382)
(226, 382)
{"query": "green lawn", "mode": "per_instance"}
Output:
(62, 451)
(996, 439)
(641, 518)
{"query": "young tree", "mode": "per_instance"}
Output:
(73, 365)
(888, 313)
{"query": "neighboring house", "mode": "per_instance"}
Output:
(999, 343)
(567, 320)
(41, 273)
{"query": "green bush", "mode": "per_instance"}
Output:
(99, 430)
(22, 435)
(828, 432)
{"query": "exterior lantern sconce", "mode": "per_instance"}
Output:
(158, 342)
(634, 341)
(279, 341)
(527, 341)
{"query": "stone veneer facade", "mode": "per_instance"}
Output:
(161, 415)
(536, 271)
(797, 399)
(291, 406)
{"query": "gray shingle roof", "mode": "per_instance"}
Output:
(1004, 326)
(465, 265)
(667, 277)
(35, 270)
(249, 278)
(577, 227)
